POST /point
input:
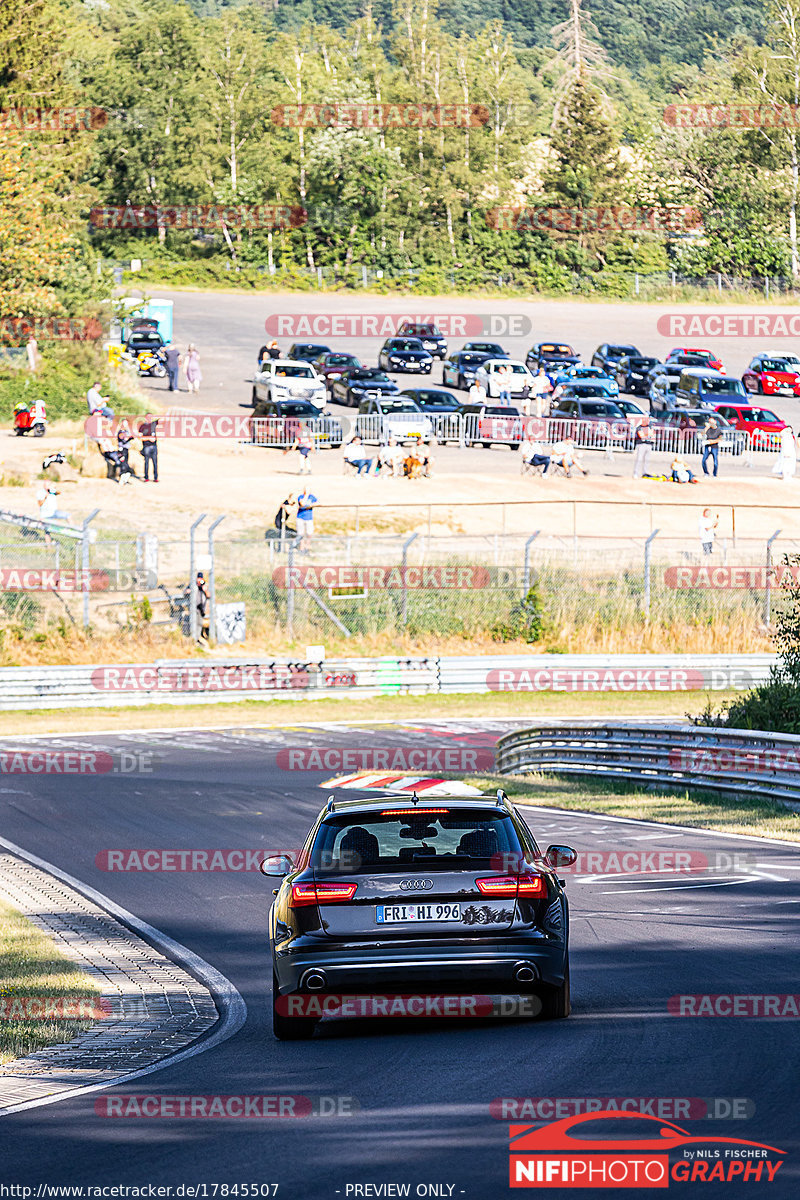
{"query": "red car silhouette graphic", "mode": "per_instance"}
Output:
(559, 1136)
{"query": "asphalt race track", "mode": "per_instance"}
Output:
(423, 1088)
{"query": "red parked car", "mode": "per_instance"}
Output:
(709, 358)
(773, 375)
(760, 423)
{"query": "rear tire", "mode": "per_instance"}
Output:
(556, 1000)
(289, 1029)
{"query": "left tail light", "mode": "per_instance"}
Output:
(321, 893)
(528, 885)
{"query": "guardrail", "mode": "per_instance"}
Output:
(205, 681)
(721, 760)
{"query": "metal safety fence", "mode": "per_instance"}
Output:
(734, 761)
(193, 681)
(472, 429)
(539, 588)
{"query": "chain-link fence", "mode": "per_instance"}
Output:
(507, 587)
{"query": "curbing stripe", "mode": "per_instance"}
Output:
(233, 1010)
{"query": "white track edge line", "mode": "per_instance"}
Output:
(233, 1010)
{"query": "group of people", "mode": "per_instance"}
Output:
(537, 404)
(299, 509)
(174, 360)
(391, 459)
(563, 454)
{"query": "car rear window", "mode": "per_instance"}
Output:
(726, 387)
(402, 836)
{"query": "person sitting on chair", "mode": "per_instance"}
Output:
(535, 455)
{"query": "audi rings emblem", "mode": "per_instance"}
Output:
(416, 885)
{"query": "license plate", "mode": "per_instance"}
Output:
(785, 390)
(393, 914)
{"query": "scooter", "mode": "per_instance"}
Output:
(151, 362)
(30, 418)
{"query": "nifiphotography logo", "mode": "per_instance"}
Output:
(579, 1151)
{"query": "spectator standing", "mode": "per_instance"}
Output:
(148, 432)
(354, 454)
(282, 518)
(97, 402)
(305, 513)
(172, 361)
(786, 466)
(540, 389)
(305, 444)
(194, 376)
(32, 350)
(504, 384)
(124, 439)
(477, 393)
(642, 445)
(202, 605)
(707, 527)
(711, 448)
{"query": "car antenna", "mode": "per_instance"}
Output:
(502, 798)
(329, 806)
(414, 798)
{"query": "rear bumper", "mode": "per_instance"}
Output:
(452, 966)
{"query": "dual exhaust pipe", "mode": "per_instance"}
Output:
(316, 981)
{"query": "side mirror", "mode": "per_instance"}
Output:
(276, 864)
(561, 856)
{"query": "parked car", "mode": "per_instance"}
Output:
(405, 354)
(489, 349)
(599, 420)
(307, 351)
(633, 371)
(401, 418)
(773, 375)
(692, 421)
(282, 379)
(583, 374)
(392, 895)
(287, 418)
(459, 369)
(704, 385)
(333, 364)
(663, 392)
(551, 355)
(681, 361)
(608, 355)
(709, 358)
(762, 424)
(443, 409)
(629, 407)
(354, 385)
(521, 378)
(433, 400)
(142, 338)
(493, 424)
(429, 334)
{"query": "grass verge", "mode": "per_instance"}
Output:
(30, 966)
(292, 712)
(701, 810)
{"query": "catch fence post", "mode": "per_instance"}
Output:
(768, 580)
(647, 571)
